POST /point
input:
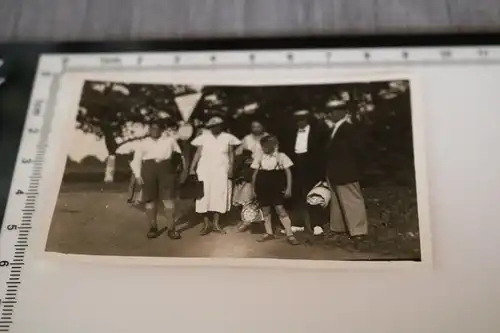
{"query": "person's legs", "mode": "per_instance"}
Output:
(216, 225)
(150, 189)
(207, 225)
(285, 219)
(243, 195)
(306, 215)
(301, 204)
(353, 207)
(337, 223)
(287, 224)
(167, 194)
(266, 211)
(151, 215)
(301, 187)
(169, 212)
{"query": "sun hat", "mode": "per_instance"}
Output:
(301, 112)
(214, 121)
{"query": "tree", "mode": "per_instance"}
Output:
(382, 108)
(112, 110)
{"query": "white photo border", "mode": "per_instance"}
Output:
(63, 125)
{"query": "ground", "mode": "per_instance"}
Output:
(89, 219)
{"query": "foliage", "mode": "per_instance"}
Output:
(110, 110)
(278, 102)
(383, 110)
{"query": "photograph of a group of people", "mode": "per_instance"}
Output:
(319, 172)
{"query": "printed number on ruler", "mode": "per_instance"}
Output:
(21, 205)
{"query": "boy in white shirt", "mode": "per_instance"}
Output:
(272, 184)
(153, 169)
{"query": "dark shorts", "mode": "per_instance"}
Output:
(159, 180)
(270, 186)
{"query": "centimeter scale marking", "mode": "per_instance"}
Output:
(24, 192)
(23, 198)
(275, 58)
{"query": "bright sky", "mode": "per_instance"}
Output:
(88, 145)
(84, 145)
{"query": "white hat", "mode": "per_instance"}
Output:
(214, 121)
(335, 103)
(301, 112)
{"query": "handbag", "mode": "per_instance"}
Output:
(192, 188)
(251, 213)
(320, 195)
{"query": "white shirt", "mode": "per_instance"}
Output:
(276, 161)
(150, 149)
(215, 151)
(302, 138)
(252, 143)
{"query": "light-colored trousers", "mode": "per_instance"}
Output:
(347, 209)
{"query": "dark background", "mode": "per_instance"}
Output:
(387, 128)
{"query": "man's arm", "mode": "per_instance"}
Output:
(196, 159)
(254, 177)
(357, 141)
(136, 163)
(288, 190)
(231, 162)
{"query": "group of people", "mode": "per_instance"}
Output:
(275, 171)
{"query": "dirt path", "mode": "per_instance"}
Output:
(101, 223)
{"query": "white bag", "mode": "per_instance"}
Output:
(251, 213)
(320, 195)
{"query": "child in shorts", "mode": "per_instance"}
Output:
(272, 184)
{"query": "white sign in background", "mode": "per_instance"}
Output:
(459, 295)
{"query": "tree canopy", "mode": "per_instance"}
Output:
(110, 109)
(275, 104)
(382, 108)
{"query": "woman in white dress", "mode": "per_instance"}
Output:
(213, 164)
(251, 145)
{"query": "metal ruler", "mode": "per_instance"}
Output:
(24, 196)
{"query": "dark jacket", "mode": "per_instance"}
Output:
(344, 154)
(318, 137)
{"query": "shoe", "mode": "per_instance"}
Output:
(219, 230)
(265, 238)
(358, 238)
(292, 240)
(173, 234)
(206, 230)
(243, 227)
(279, 232)
(152, 233)
(330, 234)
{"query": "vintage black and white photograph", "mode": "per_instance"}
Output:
(306, 172)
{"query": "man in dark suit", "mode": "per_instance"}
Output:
(306, 147)
(344, 154)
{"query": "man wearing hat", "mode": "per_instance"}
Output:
(306, 147)
(344, 155)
